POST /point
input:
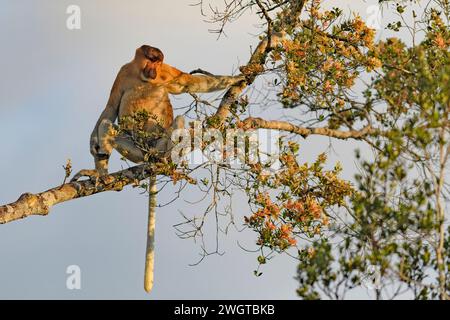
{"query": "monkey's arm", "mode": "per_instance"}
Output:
(110, 113)
(185, 83)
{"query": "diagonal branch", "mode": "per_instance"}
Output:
(257, 61)
(40, 204)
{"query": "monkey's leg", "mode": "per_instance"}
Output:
(164, 145)
(106, 133)
(125, 145)
(109, 139)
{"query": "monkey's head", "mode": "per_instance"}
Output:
(149, 60)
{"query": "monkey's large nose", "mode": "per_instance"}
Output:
(150, 72)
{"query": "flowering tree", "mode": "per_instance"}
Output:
(386, 229)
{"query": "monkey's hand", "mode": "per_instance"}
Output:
(94, 145)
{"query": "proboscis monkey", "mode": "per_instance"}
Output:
(144, 84)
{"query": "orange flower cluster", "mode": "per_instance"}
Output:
(269, 209)
(323, 58)
(295, 206)
(300, 213)
(299, 207)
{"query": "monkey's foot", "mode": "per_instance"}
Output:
(93, 175)
(85, 173)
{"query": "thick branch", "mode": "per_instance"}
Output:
(258, 123)
(40, 204)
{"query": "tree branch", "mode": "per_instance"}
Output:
(257, 61)
(40, 204)
(259, 123)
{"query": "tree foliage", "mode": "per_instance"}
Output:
(389, 224)
(385, 230)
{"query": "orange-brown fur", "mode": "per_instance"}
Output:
(145, 84)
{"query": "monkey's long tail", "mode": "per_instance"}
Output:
(150, 251)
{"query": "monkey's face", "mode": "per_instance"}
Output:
(151, 59)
